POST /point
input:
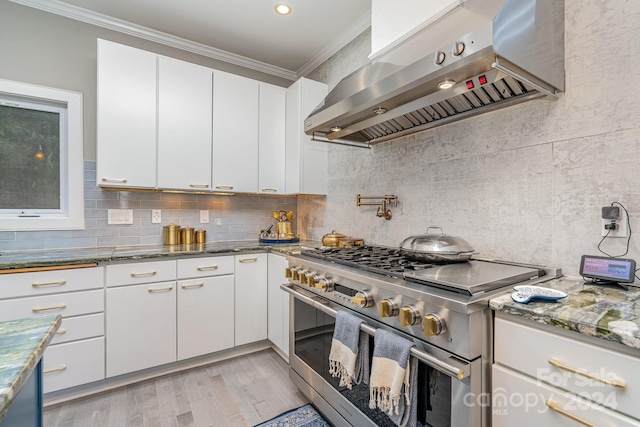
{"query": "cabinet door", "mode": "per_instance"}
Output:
(251, 298)
(141, 327)
(126, 128)
(184, 125)
(72, 364)
(271, 161)
(205, 315)
(235, 133)
(278, 307)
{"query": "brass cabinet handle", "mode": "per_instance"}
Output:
(114, 179)
(143, 274)
(58, 369)
(275, 190)
(53, 307)
(254, 259)
(554, 406)
(194, 285)
(613, 383)
(207, 267)
(225, 187)
(56, 283)
(61, 331)
(168, 288)
(195, 185)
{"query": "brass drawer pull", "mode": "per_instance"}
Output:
(58, 369)
(114, 179)
(194, 285)
(224, 187)
(56, 283)
(61, 331)
(143, 274)
(53, 307)
(274, 190)
(554, 406)
(613, 383)
(254, 259)
(168, 288)
(194, 185)
(208, 267)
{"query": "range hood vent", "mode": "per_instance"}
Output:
(517, 57)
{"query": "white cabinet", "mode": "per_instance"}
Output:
(75, 355)
(306, 160)
(541, 377)
(141, 318)
(251, 298)
(271, 145)
(126, 116)
(184, 125)
(235, 133)
(278, 304)
(205, 306)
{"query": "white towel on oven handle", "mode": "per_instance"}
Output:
(349, 355)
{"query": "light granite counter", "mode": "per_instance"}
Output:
(22, 344)
(606, 312)
(59, 257)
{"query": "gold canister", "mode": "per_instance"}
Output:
(201, 236)
(187, 235)
(284, 230)
(171, 234)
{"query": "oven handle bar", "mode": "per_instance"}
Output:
(461, 371)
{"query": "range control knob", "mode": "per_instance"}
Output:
(295, 273)
(312, 279)
(409, 315)
(432, 325)
(388, 308)
(324, 283)
(363, 298)
(303, 275)
(439, 57)
(288, 273)
(457, 49)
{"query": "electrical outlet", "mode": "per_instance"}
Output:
(204, 217)
(156, 216)
(119, 216)
(622, 229)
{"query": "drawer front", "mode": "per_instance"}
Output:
(524, 402)
(72, 364)
(66, 305)
(50, 282)
(538, 353)
(140, 272)
(202, 267)
(78, 328)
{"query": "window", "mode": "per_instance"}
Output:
(41, 158)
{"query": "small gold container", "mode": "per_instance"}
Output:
(201, 236)
(283, 229)
(171, 234)
(187, 235)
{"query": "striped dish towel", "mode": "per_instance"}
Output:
(394, 374)
(349, 355)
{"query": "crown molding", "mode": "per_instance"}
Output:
(341, 41)
(104, 21)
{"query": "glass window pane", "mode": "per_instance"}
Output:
(29, 159)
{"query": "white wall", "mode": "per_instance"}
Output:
(525, 183)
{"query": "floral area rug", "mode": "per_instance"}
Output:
(304, 416)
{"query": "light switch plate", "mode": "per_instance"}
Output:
(120, 216)
(204, 217)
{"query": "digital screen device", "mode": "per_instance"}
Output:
(600, 268)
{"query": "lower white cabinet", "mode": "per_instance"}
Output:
(278, 304)
(73, 363)
(251, 298)
(205, 315)
(141, 327)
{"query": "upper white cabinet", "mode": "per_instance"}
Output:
(235, 133)
(271, 145)
(306, 160)
(184, 125)
(126, 128)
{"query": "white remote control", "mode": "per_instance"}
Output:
(525, 293)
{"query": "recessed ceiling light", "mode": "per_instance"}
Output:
(283, 9)
(335, 129)
(447, 84)
(380, 110)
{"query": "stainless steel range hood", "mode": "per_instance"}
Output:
(515, 56)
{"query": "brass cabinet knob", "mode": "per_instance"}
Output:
(432, 325)
(387, 308)
(409, 315)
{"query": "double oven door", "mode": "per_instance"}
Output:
(443, 399)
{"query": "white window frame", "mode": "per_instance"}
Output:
(71, 213)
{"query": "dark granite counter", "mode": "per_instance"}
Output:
(60, 257)
(606, 312)
(22, 344)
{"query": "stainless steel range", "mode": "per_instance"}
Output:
(442, 308)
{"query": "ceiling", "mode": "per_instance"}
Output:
(293, 44)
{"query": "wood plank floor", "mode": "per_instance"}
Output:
(243, 391)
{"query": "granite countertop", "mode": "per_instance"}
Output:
(22, 344)
(57, 257)
(606, 312)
